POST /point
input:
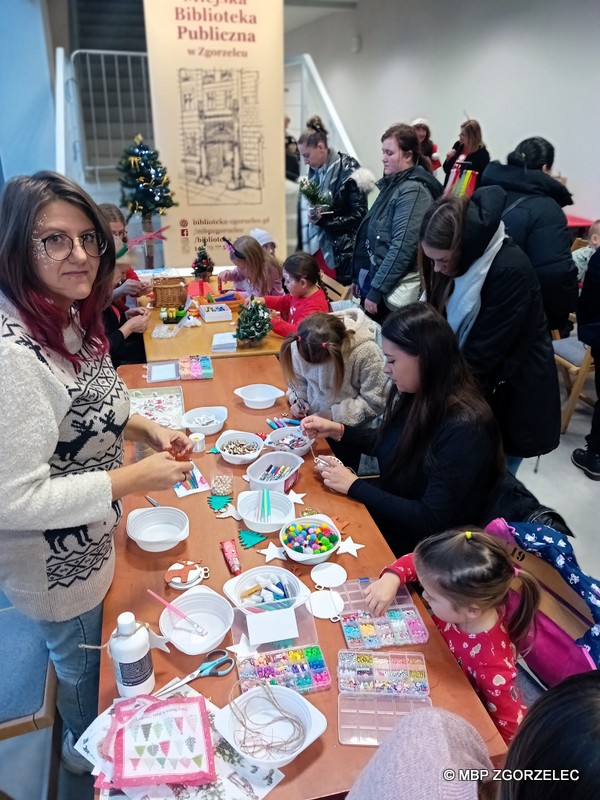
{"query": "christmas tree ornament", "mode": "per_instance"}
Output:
(217, 502)
(203, 264)
(250, 538)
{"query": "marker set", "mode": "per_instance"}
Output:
(276, 472)
(278, 422)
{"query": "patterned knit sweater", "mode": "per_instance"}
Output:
(62, 431)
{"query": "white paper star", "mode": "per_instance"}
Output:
(296, 498)
(349, 546)
(272, 551)
(243, 648)
(229, 511)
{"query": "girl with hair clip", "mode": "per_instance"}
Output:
(438, 444)
(466, 576)
(332, 231)
(256, 272)
(334, 367)
(60, 494)
(306, 294)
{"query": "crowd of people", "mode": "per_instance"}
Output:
(441, 367)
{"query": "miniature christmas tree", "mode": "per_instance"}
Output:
(254, 322)
(203, 264)
(217, 502)
(313, 194)
(145, 187)
(249, 538)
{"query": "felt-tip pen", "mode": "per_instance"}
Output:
(271, 424)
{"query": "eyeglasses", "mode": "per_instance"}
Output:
(59, 246)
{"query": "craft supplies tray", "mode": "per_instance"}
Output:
(215, 312)
(400, 625)
(296, 663)
(187, 368)
(367, 719)
(163, 405)
(393, 672)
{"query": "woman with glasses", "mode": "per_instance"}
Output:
(66, 412)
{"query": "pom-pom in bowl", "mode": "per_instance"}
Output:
(192, 419)
(259, 395)
(316, 556)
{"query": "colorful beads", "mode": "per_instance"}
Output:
(300, 668)
(310, 538)
(383, 673)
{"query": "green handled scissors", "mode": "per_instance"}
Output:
(217, 663)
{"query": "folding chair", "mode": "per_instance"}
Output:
(575, 362)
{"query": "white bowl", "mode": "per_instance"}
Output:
(308, 558)
(205, 607)
(229, 436)
(270, 723)
(249, 506)
(234, 587)
(218, 412)
(258, 395)
(157, 529)
(274, 440)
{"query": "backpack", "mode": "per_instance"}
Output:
(565, 637)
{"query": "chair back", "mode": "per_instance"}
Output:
(578, 243)
(574, 361)
(335, 290)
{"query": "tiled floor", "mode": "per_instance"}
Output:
(557, 483)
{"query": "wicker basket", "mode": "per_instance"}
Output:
(169, 292)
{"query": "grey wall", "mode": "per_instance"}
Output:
(521, 67)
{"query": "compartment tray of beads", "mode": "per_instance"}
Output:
(300, 668)
(393, 672)
(400, 625)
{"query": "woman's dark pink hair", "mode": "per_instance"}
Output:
(21, 204)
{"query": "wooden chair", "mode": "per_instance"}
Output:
(335, 290)
(578, 243)
(575, 363)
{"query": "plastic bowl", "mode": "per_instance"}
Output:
(258, 395)
(274, 440)
(308, 558)
(157, 529)
(240, 436)
(218, 412)
(259, 467)
(235, 587)
(249, 506)
(272, 725)
(205, 607)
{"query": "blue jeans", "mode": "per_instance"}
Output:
(77, 669)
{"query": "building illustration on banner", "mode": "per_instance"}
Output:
(222, 138)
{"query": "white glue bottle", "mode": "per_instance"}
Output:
(130, 650)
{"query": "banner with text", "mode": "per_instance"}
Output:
(216, 79)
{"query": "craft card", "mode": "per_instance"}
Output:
(170, 743)
(194, 484)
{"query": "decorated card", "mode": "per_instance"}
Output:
(171, 743)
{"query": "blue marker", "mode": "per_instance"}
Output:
(293, 422)
(271, 424)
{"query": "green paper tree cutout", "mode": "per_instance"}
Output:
(249, 538)
(213, 450)
(217, 502)
(203, 264)
(145, 187)
(254, 322)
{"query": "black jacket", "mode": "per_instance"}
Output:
(509, 348)
(477, 161)
(538, 225)
(452, 489)
(387, 241)
(588, 309)
(349, 207)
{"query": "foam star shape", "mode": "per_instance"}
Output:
(243, 648)
(272, 551)
(296, 498)
(348, 545)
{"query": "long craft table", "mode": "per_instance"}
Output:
(197, 341)
(326, 769)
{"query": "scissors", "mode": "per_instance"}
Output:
(217, 663)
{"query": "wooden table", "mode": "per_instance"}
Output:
(326, 769)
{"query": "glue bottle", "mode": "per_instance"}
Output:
(130, 650)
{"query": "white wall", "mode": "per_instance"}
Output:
(26, 99)
(521, 67)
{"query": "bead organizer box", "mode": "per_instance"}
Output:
(394, 672)
(400, 625)
(299, 668)
(367, 719)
